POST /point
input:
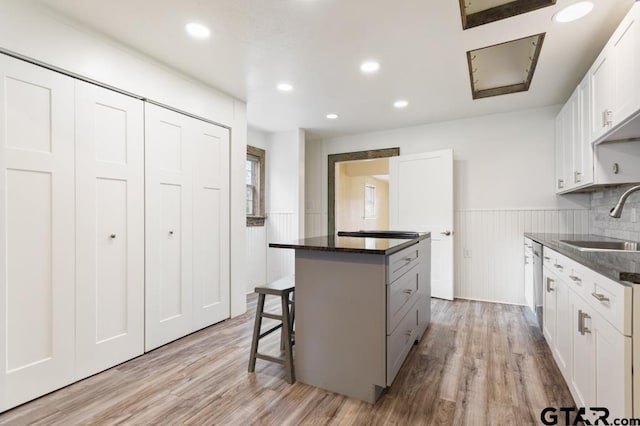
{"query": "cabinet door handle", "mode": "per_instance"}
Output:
(547, 258)
(170, 232)
(575, 279)
(549, 289)
(557, 266)
(409, 291)
(601, 297)
(560, 183)
(408, 333)
(447, 233)
(582, 328)
(112, 236)
(577, 177)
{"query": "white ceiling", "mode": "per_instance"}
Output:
(317, 45)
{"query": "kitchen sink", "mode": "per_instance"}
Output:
(626, 246)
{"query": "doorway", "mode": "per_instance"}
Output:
(335, 163)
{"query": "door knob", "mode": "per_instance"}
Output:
(170, 232)
(112, 236)
(447, 233)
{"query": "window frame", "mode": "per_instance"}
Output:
(259, 217)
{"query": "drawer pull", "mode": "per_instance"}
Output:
(408, 333)
(575, 279)
(547, 258)
(112, 236)
(557, 266)
(600, 297)
(409, 291)
(549, 289)
(582, 329)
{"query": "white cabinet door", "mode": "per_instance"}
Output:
(549, 308)
(110, 228)
(570, 119)
(583, 150)
(421, 199)
(601, 80)
(583, 362)
(563, 346)
(36, 232)
(561, 180)
(210, 224)
(169, 226)
(612, 352)
(625, 50)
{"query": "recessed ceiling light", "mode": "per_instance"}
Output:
(401, 103)
(332, 116)
(369, 67)
(198, 31)
(285, 87)
(573, 12)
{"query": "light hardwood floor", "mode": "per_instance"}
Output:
(478, 363)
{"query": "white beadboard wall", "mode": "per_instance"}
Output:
(256, 256)
(281, 226)
(493, 269)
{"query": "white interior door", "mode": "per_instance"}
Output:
(36, 231)
(210, 224)
(110, 228)
(169, 227)
(421, 199)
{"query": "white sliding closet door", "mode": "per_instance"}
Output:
(36, 231)
(210, 224)
(187, 225)
(110, 228)
(169, 226)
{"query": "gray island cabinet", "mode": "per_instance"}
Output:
(361, 303)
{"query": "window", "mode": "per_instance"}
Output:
(369, 201)
(254, 205)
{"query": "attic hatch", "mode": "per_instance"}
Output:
(504, 68)
(480, 12)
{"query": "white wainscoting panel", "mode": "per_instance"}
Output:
(489, 249)
(281, 227)
(256, 256)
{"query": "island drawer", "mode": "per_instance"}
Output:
(401, 295)
(400, 341)
(400, 262)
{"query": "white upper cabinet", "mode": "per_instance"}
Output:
(614, 78)
(603, 108)
(574, 152)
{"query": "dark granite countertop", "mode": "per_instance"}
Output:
(618, 266)
(384, 246)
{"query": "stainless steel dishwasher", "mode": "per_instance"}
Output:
(537, 280)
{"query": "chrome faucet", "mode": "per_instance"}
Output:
(616, 211)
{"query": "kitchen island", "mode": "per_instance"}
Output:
(361, 303)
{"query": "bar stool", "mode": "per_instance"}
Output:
(283, 288)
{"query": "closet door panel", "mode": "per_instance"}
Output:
(36, 231)
(110, 223)
(211, 225)
(169, 226)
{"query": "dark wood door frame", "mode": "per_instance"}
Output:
(331, 176)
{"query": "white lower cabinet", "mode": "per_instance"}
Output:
(587, 334)
(187, 233)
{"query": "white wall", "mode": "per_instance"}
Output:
(31, 30)
(284, 196)
(503, 170)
